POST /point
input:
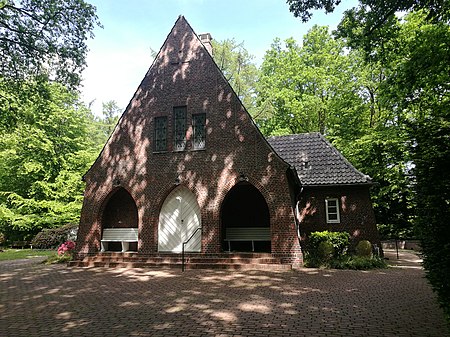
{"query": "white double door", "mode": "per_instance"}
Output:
(178, 220)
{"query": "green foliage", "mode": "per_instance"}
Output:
(406, 149)
(363, 249)
(302, 8)
(303, 88)
(358, 262)
(339, 241)
(329, 249)
(56, 259)
(43, 154)
(432, 157)
(238, 67)
(45, 37)
(53, 237)
(111, 113)
(325, 251)
(322, 246)
(371, 15)
(324, 86)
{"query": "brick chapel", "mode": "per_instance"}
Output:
(186, 161)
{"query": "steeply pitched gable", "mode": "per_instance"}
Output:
(183, 74)
(317, 162)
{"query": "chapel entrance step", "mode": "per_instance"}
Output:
(232, 261)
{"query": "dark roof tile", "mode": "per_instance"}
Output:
(317, 161)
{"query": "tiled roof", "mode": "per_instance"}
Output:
(317, 162)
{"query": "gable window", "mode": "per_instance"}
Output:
(179, 116)
(332, 210)
(199, 131)
(160, 136)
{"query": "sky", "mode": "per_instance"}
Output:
(120, 53)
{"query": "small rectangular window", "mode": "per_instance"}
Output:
(160, 137)
(179, 116)
(199, 131)
(332, 210)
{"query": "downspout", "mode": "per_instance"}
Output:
(297, 214)
(296, 203)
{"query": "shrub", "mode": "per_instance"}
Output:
(53, 237)
(323, 246)
(358, 263)
(66, 248)
(339, 241)
(325, 251)
(65, 253)
(364, 249)
(2, 238)
(329, 249)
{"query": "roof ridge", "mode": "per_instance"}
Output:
(296, 134)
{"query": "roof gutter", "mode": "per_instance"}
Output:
(339, 185)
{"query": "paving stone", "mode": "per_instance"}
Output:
(39, 300)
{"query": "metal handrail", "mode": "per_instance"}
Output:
(182, 248)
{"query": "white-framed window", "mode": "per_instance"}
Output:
(332, 210)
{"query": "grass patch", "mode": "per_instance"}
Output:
(15, 254)
(55, 258)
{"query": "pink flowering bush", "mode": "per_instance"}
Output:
(65, 251)
(66, 247)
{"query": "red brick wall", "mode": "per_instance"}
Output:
(183, 74)
(356, 212)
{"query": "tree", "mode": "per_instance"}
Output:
(432, 160)
(45, 37)
(237, 65)
(42, 160)
(304, 88)
(421, 90)
(375, 12)
(415, 49)
(111, 113)
(322, 86)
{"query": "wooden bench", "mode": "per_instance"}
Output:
(247, 234)
(123, 235)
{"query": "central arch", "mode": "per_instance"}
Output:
(178, 220)
(245, 207)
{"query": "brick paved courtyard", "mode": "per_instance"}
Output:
(38, 300)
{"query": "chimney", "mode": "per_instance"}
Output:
(206, 40)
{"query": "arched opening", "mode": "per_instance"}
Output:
(120, 212)
(178, 220)
(245, 213)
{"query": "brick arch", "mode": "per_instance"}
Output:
(244, 206)
(102, 198)
(222, 193)
(118, 210)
